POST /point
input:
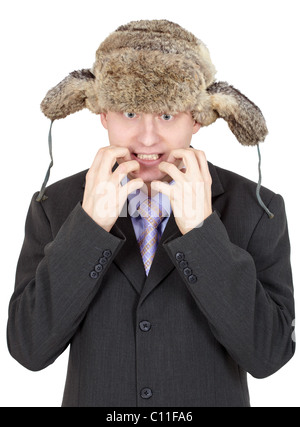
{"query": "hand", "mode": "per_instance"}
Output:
(104, 196)
(190, 196)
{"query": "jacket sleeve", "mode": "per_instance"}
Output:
(246, 295)
(54, 285)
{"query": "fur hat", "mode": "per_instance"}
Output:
(156, 67)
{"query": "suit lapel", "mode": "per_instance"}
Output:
(129, 258)
(162, 264)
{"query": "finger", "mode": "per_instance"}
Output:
(171, 170)
(162, 187)
(130, 186)
(97, 159)
(114, 154)
(201, 158)
(95, 165)
(124, 169)
(126, 157)
(188, 157)
(106, 159)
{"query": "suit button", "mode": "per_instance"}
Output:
(145, 326)
(179, 256)
(94, 275)
(192, 278)
(102, 260)
(187, 271)
(183, 264)
(146, 393)
(107, 253)
(98, 268)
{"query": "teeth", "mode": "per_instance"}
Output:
(148, 156)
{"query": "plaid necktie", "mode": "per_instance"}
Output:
(152, 215)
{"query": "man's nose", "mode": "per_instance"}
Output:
(148, 130)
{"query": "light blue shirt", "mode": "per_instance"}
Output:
(137, 197)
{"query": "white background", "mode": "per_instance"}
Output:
(254, 46)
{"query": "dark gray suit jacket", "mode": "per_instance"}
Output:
(218, 301)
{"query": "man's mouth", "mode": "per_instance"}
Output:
(150, 159)
(147, 156)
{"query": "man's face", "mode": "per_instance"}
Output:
(145, 134)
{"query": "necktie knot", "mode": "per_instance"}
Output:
(151, 213)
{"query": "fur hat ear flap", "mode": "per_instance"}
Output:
(72, 94)
(244, 118)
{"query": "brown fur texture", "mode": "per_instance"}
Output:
(70, 95)
(244, 118)
(156, 67)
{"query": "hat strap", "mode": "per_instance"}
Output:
(271, 215)
(41, 195)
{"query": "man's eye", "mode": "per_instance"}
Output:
(167, 117)
(130, 115)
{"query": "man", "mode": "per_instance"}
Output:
(162, 305)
